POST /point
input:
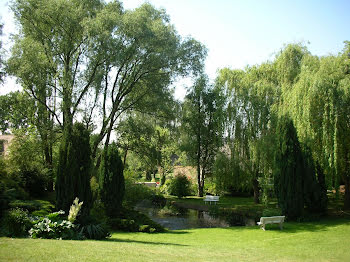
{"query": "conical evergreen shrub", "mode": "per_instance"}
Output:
(73, 172)
(288, 174)
(112, 181)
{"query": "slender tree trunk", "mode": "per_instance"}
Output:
(255, 184)
(125, 155)
(200, 189)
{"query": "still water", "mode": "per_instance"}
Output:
(173, 218)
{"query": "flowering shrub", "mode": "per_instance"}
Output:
(74, 210)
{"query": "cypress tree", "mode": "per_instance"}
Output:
(315, 191)
(112, 181)
(73, 172)
(288, 174)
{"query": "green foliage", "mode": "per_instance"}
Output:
(140, 44)
(147, 229)
(53, 226)
(149, 142)
(228, 176)
(180, 186)
(158, 200)
(135, 192)
(112, 181)
(95, 231)
(73, 172)
(32, 205)
(251, 96)
(46, 228)
(202, 127)
(16, 223)
(124, 224)
(289, 62)
(133, 221)
(2, 72)
(25, 161)
(269, 212)
(288, 175)
(16, 111)
(314, 191)
(10, 188)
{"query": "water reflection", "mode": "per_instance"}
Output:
(173, 217)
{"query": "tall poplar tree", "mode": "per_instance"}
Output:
(202, 127)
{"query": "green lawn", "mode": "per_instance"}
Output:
(328, 240)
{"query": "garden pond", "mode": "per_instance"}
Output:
(174, 217)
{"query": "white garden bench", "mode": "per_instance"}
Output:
(211, 199)
(271, 220)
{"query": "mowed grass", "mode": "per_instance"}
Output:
(327, 240)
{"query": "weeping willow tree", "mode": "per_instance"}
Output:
(251, 92)
(318, 102)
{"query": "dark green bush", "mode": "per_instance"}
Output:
(95, 231)
(233, 218)
(17, 223)
(10, 190)
(147, 229)
(180, 186)
(74, 169)
(98, 212)
(134, 193)
(33, 205)
(127, 225)
(112, 181)
(35, 182)
(158, 200)
(269, 212)
(132, 221)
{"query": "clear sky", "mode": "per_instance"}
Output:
(238, 33)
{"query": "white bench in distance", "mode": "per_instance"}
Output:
(271, 220)
(210, 199)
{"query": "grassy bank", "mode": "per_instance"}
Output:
(327, 240)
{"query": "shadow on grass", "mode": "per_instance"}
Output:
(175, 232)
(142, 242)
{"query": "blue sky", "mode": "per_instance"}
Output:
(240, 33)
(247, 32)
